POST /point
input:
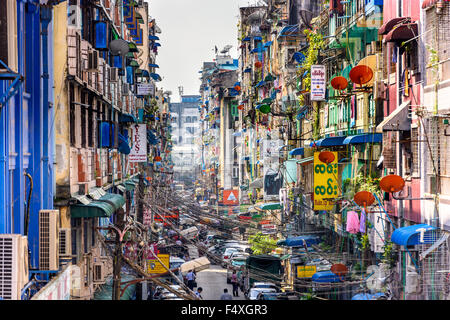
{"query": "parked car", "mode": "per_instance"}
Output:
(254, 292)
(267, 295)
(235, 264)
(265, 285)
(227, 255)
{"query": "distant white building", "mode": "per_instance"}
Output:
(185, 130)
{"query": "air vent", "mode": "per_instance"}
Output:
(13, 265)
(48, 240)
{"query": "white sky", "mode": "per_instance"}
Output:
(190, 31)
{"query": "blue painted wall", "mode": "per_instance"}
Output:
(27, 136)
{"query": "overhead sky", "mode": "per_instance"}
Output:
(190, 31)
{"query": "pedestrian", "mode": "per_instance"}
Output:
(234, 282)
(198, 293)
(190, 277)
(226, 295)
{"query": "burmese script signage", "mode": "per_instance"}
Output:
(325, 183)
(318, 83)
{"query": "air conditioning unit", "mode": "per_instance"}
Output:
(114, 75)
(412, 281)
(92, 62)
(48, 240)
(99, 273)
(13, 265)
(65, 244)
(378, 89)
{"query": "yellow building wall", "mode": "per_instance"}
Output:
(62, 138)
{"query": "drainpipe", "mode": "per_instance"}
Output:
(45, 17)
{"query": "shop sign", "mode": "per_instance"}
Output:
(325, 183)
(155, 267)
(139, 140)
(230, 197)
(318, 82)
(145, 89)
(306, 271)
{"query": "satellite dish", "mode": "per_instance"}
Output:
(119, 47)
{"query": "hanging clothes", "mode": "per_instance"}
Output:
(352, 222)
(362, 221)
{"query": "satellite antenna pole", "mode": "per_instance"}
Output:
(180, 90)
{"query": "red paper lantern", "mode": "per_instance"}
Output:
(258, 64)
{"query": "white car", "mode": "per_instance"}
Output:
(227, 254)
(264, 285)
(254, 292)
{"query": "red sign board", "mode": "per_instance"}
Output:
(230, 197)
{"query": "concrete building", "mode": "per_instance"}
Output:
(185, 133)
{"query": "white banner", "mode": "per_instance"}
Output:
(139, 140)
(145, 89)
(318, 82)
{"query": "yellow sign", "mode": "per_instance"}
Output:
(154, 266)
(305, 271)
(325, 183)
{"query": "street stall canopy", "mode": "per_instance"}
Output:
(413, 235)
(197, 265)
(271, 206)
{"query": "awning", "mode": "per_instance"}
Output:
(198, 265)
(299, 241)
(415, 234)
(151, 37)
(268, 44)
(94, 209)
(305, 161)
(330, 141)
(153, 65)
(270, 206)
(398, 120)
(388, 25)
(113, 199)
(126, 117)
(155, 76)
(325, 277)
(297, 152)
(403, 32)
(247, 39)
(257, 183)
(364, 138)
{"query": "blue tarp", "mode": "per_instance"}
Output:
(409, 236)
(123, 145)
(368, 296)
(297, 152)
(298, 241)
(364, 138)
(325, 277)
